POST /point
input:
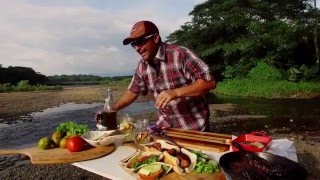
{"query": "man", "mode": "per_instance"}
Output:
(175, 76)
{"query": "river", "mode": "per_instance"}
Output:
(246, 115)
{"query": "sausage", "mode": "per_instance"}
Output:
(157, 146)
(183, 159)
(172, 152)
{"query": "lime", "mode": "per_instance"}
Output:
(56, 137)
(69, 134)
(44, 143)
(63, 142)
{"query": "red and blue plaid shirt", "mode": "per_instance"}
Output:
(174, 67)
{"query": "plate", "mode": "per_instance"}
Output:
(93, 138)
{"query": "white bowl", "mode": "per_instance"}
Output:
(92, 136)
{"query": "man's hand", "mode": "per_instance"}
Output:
(165, 97)
(98, 116)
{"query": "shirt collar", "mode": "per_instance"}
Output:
(161, 54)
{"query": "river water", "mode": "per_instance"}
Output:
(269, 115)
(249, 114)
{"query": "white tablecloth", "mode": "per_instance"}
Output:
(108, 166)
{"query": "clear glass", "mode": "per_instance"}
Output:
(126, 126)
(141, 132)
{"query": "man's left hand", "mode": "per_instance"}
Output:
(164, 98)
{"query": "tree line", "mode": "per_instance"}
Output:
(13, 75)
(233, 36)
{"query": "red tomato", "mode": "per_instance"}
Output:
(75, 144)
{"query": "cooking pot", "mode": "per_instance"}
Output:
(259, 165)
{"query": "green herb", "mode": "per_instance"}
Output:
(136, 164)
(74, 128)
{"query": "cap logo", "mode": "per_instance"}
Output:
(134, 28)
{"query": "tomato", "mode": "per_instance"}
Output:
(143, 158)
(75, 144)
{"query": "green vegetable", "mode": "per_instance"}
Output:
(205, 164)
(151, 159)
(74, 128)
(166, 168)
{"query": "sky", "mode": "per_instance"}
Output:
(56, 37)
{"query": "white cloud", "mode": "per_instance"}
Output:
(78, 37)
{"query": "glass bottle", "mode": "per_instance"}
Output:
(109, 115)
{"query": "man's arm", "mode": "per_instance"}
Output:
(197, 88)
(125, 100)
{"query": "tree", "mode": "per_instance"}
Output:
(232, 36)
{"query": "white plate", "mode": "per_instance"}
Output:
(91, 137)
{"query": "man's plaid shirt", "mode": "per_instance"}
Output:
(174, 67)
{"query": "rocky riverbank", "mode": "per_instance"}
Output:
(224, 119)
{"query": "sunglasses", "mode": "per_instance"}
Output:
(141, 41)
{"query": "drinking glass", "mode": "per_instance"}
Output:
(141, 132)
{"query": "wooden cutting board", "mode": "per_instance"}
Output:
(60, 155)
(194, 176)
(206, 141)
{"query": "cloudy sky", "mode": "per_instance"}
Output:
(57, 37)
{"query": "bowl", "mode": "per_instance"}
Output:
(254, 142)
(93, 138)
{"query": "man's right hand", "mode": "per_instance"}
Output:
(98, 116)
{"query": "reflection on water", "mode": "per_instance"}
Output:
(25, 134)
(64, 108)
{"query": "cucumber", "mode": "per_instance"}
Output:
(150, 169)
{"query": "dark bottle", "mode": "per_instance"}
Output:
(108, 117)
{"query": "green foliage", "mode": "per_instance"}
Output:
(74, 78)
(304, 73)
(229, 34)
(267, 89)
(5, 87)
(124, 81)
(25, 86)
(13, 75)
(241, 69)
(264, 72)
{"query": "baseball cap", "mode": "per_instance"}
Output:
(140, 29)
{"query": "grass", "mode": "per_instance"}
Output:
(25, 86)
(267, 89)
